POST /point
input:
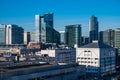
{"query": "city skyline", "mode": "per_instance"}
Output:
(66, 12)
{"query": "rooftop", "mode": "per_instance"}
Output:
(43, 66)
(96, 44)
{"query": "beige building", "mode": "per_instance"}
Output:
(26, 37)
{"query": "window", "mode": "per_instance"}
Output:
(88, 58)
(85, 51)
(89, 51)
(96, 58)
(81, 57)
(88, 61)
(91, 62)
(82, 61)
(95, 62)
(85, 58)
(96, 69)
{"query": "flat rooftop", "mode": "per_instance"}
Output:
(25, 72)
(22, 66)
(42, 66)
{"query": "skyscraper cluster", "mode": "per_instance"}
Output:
(45, 33)
(73, 33)
(70, 45)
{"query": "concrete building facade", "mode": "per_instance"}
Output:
(26, 37)
(100, 59)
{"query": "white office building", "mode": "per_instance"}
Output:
(98, 58)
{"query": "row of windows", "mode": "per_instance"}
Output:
(88, 62)
(88, 58)
(87, 51)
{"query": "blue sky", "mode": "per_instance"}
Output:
(22, 13)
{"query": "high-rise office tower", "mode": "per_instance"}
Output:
(117, 45)
(26, 37)
(117, 37)
(44, 28)
(73, 35)
(93, 24)
(107, 37)
(56, 37)
(2, 34)
(14, 34)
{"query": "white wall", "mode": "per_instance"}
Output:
(51, 53)
(88, 56)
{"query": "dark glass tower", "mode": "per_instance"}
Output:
(73, 35)
(93, 28)
(14, 34)
(107, 37)
(44, 28)
(117, 45)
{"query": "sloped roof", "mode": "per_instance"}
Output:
(96, 45)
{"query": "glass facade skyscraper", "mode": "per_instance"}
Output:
(14, 34)
(56, 37)
(108, 37)
(11, 34)
(117, 44)
(117, 37)
(73, 35)
(44, 28)
(93, 24)
(2, 34)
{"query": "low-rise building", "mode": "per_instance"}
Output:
(34, 45)
(61, 55)
(100, 59)
(16, 52)
(43, 71)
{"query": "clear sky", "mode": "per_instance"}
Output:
(22, 13)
